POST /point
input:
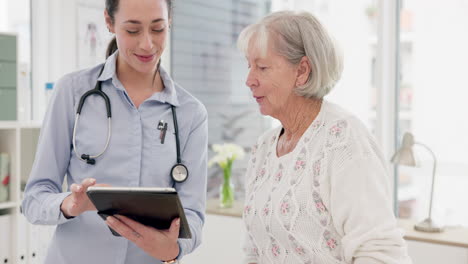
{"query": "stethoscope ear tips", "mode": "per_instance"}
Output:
(89, 160)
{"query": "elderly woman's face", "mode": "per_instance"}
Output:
(271, 79)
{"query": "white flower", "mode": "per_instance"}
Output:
(226, 153)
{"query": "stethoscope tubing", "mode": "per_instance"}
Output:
(176, 131)
(90, 159)
(109, 133)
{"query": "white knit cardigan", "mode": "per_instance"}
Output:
(327, 201)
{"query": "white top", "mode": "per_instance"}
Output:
(327, 201)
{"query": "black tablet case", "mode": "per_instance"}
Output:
(156, 209)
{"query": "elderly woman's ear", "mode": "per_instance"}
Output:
(303, 71)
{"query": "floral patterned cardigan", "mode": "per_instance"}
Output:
(327, 201)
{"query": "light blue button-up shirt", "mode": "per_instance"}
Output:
(135, 157)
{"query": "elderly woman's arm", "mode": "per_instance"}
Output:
(249, 248)
(250, 251)
(361, 208)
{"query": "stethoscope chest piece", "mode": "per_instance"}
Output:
(179, 173)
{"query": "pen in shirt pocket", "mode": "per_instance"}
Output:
(162, 127)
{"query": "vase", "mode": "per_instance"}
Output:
(226, 191)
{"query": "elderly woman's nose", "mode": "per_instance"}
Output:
(251, 80)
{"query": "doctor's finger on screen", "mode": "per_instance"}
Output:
(78, 202)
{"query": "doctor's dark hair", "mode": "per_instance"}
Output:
(112, 6)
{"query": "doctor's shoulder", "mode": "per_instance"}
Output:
(190, 103)
(78, 82)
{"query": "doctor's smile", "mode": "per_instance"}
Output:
(145, 58)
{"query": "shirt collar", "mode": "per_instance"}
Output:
(167, 95)
(109, 68)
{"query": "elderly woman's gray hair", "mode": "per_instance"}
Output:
(295, 35)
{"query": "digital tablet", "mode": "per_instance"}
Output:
(155, 207)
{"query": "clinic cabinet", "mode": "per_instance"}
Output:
(20, 242)
(8, 77)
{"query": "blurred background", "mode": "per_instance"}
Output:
(403, 72)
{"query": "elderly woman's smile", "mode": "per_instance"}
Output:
(259, 99)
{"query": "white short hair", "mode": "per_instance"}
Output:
(295, 35)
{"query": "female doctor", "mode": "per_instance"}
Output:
(153, 133)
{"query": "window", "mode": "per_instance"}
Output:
(433, 106)
(353, 24)
(206, 62)
(431, 89)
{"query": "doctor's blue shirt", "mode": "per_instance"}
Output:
(135, 157)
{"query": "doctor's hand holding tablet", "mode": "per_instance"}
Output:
(148, 237)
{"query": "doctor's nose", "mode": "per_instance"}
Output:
(146, 42)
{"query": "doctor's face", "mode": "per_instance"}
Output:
(271, 79)
(141, 29)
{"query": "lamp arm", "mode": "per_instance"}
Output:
(433, 175)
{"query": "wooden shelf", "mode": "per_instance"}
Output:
(212, 207)
(7, 205)
(30, 124)
(8, 124)
(451, 236)
(19, 124)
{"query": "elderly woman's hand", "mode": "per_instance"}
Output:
(160, 244)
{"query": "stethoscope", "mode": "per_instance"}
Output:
(179, 171)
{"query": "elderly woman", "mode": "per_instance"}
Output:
(317, 187)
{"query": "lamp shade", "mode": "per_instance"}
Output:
(405, 154)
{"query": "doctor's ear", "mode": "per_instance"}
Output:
(109, 22)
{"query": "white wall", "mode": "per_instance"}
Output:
(53, 27)
(3, 15)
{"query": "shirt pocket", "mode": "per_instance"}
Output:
(164, 154)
